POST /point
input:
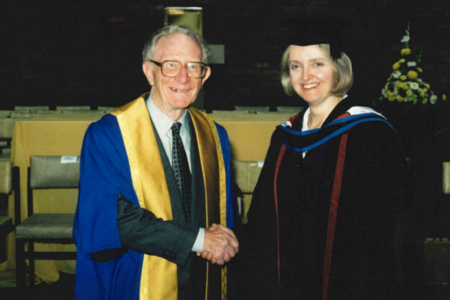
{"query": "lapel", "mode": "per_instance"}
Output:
(198, 213)
(174, 192)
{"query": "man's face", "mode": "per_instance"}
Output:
(171, 94)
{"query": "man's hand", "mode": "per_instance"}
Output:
(220, 244)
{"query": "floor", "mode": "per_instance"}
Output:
(63, 289)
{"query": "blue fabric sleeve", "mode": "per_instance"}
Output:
(105, 178)
(232, 212)
(104, 173)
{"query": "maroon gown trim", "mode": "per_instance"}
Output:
(277, 168)
(333, 210)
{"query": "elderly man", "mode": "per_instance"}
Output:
(154, 184)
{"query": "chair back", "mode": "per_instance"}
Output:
(21, 114)
(46, 112)
(80, 111)
(9, 182)
(6, 128)
(107, 109)
(5, 177)
(31, 109)
(50, 172)
(80, 107)
(230, 112)
(6, 223)
(252, 109)
(246, 174)
(294, 109)
(5, 113)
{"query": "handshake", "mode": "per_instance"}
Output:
(220, 244)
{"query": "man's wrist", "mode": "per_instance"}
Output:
(198, 245)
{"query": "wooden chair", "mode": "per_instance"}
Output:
(46, 172)
(6, 131)
(8, 184)
(294, 109)
(21, 114)
(276, 113)
(46, 112)
(230, 112)
(252, 109)
(5, 113)
(80, 107)
(31, 109)
(107, 109)
(74, 111)
(246, 174)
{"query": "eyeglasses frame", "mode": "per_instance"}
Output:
(160, 64)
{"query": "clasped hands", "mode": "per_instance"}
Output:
(220, 244)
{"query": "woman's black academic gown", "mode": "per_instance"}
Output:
(373, 251)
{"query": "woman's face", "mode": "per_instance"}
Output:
(311, 72)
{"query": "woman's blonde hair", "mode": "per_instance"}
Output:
(342, 77)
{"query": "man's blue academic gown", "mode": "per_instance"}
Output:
(106, 172)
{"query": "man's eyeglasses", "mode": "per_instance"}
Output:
(171, 68)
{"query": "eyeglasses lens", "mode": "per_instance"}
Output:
(172, 68)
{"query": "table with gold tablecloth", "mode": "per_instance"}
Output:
(63, 135)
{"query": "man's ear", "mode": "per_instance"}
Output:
(207, 74)
(148, 72)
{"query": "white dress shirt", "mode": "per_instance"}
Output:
(163, 125)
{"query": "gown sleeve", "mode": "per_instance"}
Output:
(380, 241)
(108, 214)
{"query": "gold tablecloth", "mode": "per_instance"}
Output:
(63, 135)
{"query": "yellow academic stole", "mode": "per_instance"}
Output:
(159, 276)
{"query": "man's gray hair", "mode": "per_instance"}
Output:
(150, 46)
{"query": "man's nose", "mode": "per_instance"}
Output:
(183, 75)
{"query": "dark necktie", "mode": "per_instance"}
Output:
(180, 167)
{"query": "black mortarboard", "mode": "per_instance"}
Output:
(314, 31)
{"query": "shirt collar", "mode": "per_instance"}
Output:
(162, 122)
(308, 112)
(305, 120)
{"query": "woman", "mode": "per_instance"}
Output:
(325, 219)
